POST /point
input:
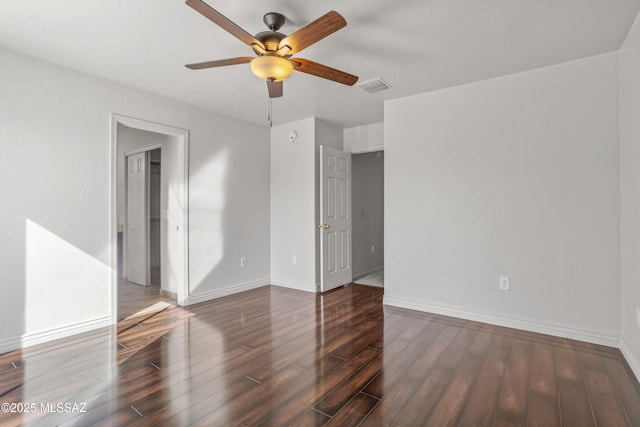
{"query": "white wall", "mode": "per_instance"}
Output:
(295, 201)
(515, 176)
(368, 211)
(293, 213)
(228, 204)
(630, 194)
(55, 171)
(364, 139)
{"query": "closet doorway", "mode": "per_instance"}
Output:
(142, 188)
(368, 218)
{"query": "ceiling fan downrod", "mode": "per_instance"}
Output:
(273, 20)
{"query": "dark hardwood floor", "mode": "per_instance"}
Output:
(279, 357)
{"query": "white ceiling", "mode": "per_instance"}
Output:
(415, 45)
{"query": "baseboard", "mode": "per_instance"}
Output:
(311, 287)
(609, 339)
(364, 273)
(27, 340)
(632, 359)
(168, 294)
(9, 344)
(229, 290)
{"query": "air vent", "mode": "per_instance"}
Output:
(374, 85)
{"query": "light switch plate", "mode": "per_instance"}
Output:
(505, 283)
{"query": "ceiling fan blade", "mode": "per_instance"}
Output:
(223, 22)
(275, 89)
(219, 63)
(319, 70)
(315, 31)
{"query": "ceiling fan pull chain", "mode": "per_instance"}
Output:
(270, 117)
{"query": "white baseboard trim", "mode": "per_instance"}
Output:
(27, 340)
(310, 287)
(223, 292)
(169, 294)
(9, 344)
(609, 339)
(632, 360)
(364, 273)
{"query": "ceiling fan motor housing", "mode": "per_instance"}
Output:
(270, 40)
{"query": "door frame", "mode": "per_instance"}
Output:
(182, 261)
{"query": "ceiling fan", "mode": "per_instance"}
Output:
(274, 63)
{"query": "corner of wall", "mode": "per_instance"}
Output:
(629, 131)
(630, 357)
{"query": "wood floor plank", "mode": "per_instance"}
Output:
(397, 366)
(607, 409)
(274, 356)
(480, 410)
(391, 406)
(543, 372)
(451, 405)
(543, 410)
(627, 388)
(575, 408)
(513, 398)
(300, 396)
(393, 351)
(567, 366)
(354, 411)
(414, 409)
(338, 397)
(311, 418)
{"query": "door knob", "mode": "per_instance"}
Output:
(325, 226)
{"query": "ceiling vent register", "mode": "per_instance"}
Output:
(374, 85)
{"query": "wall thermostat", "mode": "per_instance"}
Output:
(293, 136)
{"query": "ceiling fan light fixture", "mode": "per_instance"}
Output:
(271, 67)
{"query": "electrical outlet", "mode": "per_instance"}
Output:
(243, 261)
(294, 260)
(505, 283)
(638, 316)
(373, 249)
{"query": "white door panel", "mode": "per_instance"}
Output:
(136, 218)
(335, 215)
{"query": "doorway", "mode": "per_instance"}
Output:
(140, 290)
(163, 229)
(368, 218)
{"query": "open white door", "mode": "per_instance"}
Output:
(335, 217)
(136, 218)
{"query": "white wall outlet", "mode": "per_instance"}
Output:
(505, 283)
(373, 249)
(638, 316)
(294, 260)
(243, 261)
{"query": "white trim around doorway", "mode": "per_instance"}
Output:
(182, 136)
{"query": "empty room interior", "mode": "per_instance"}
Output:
(334, 213)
